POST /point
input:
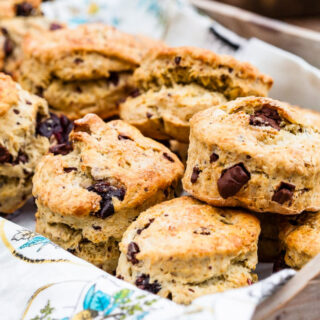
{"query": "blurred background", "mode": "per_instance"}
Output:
(304, 13)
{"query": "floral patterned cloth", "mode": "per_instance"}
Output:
(40, 281)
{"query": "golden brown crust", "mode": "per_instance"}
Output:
(83, 70)
(20, 145)
(300, 238)
(176, 83)
(13, 32)
(188, 249)
(90, 38)
(278, 157)
(197, 64)
(8, 93)
(114, 152)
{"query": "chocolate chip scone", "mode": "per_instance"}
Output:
(82, 70)
(19, 8)
(182, 249)
(88, 197)
(12, 33)
(300, 238)
(21, 144)
(173, 84)
(256, 153)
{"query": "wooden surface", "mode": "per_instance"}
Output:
(298, 299)
(301, 41)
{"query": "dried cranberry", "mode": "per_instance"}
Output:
(24, 9)
(106, 192)
(55, 26)
(5, 156)
(59, 127)
(168, 157)
(63, 148)
(133, 250)
(143, 282)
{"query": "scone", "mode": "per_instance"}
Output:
(87, 197)
(82, 70)
(256, 153)
(182, 249)
(12, 33)
(300, 238)
(21, 142)
(173, 84)
(19, 8)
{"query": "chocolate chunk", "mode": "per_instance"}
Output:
(119, 276)
(106, 192)
(146, 226)
(143, 282)
(55, 26)
(78, 60)
(69, 169)
(149, 115)
(266, 117)
(123, 137)
(232, 180)
(8, 47)
(133, 250)
(135, 93)
(16, 111)
(177, 60)
(71, 250)
(96, 227)
(214, 157)
(168, 157)
(114, 78)
(283, 193)
(24, 9)
(59, 127)
(195, 174)
(5, 156)
(62, 148)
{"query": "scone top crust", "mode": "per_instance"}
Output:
(8, 93)
(300, 237)
(183, 229)
(12, 8)
(90, 38)
(184, 65)
(109, 160)
(274, 133)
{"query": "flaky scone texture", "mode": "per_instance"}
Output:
(13, 31)
(14, 8)
(20, 145)
(88, 68)
(256, 153)
(112, 174)
(182, 249)
(176, 83)
(300, 238)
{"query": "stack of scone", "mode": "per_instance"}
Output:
(82, 70)
(111, 195)
(17, 20)
(88, 197)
